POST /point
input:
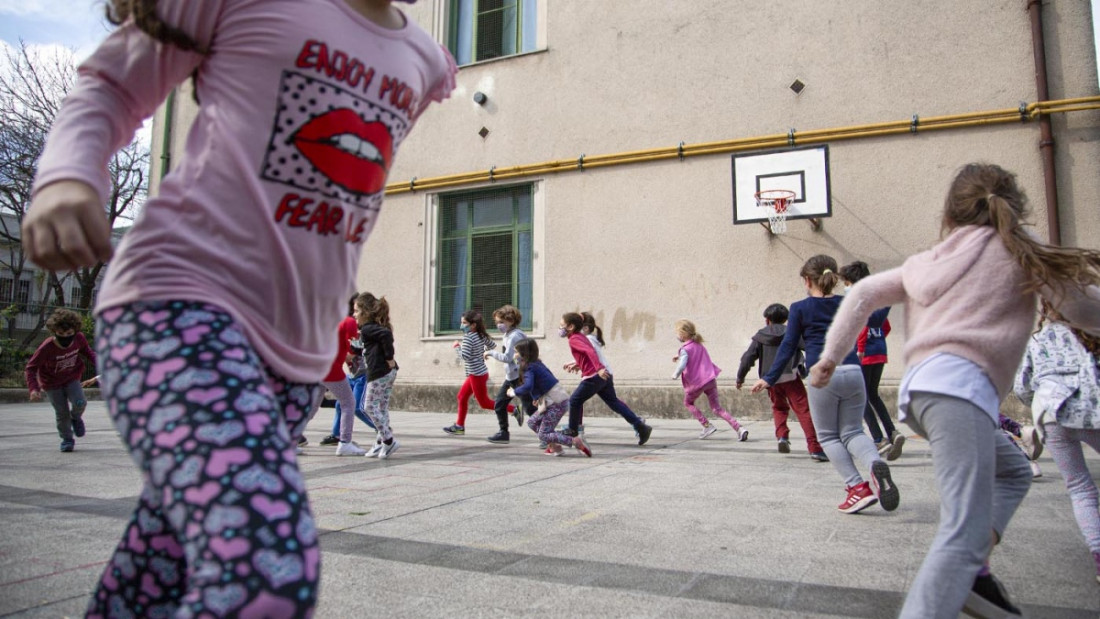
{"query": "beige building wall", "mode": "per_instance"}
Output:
(644, 245)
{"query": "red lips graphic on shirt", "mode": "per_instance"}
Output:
(351, 152)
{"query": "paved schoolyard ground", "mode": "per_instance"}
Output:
(457, 527)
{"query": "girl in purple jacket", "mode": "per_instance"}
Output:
(700, 376)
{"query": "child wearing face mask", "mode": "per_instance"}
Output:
(507, 319)
(56, 367)
(475, 343)
(536, 382)
(700, 376)
(595, 380)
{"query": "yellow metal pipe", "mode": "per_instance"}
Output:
(812, 136)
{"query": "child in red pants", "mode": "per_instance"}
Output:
(789, 392)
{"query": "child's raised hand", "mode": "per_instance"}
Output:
(759, 386)
(822, 372)
(66, 228)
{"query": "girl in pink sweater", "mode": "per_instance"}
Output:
(970, 304)
(215, 320)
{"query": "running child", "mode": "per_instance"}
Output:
(788, 393)
(1060, 379)
(699, 376)
(871, 350)
(538, 383)
(969, 307)
(337, 382)
(55, 368)
(595, 380)
(473, 348)
(376, 333)
(837, 411)
(507, 319)
(216, 318)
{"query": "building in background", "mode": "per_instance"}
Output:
(587, 161)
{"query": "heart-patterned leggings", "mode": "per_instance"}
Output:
(223, 525)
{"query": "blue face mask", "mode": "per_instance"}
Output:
(562, 332)
(465, 328)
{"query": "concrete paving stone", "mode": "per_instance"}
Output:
(458, 527)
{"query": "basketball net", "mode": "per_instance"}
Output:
(775, 202)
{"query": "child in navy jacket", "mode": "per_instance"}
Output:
(539, 384)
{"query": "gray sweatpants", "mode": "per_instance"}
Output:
(837, 411)
(60, 398)
(981, 477)
(342, 390)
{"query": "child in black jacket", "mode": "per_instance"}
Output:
(789, 392)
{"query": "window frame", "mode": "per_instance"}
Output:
(434, 238)
(529, 32)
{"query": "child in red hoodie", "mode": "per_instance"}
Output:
(56, 367)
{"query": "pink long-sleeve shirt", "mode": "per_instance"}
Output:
(965, 296)
(303, 106)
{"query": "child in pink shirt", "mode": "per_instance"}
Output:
(216, 316)
(595, 380)
(699, 376)
(970, 306)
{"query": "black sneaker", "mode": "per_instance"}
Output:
(883, 485)
(302, 442)
(67, 446)
(989, 599)
(643, 433)
(819, 456)
(499, 438)
(331, 439)
(518, 414)
(455, 429)
(78, 427)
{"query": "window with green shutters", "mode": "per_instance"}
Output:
(486, 29)
(484, 255)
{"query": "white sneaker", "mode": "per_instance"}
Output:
(742, 435)
(349, 449)
(707, 431)
(374, 450)
(1035, 470)
(388, 449)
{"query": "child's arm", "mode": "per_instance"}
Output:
(1080, 308)
(681, 363)
(86, 350)
(878, 290)
(31, 374)
(748, 359)
(861, 342)
(120, 85)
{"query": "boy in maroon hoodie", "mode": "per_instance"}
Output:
(56, 367)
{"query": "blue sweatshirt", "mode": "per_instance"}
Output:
(537, 380)
(809, 320)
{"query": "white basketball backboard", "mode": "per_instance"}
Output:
(803, 170)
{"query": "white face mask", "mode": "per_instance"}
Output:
(846, 289)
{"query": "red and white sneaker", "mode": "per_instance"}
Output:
(554, 450)
(580, 445)
(860, 497)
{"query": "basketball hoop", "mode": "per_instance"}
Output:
(775, 202)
